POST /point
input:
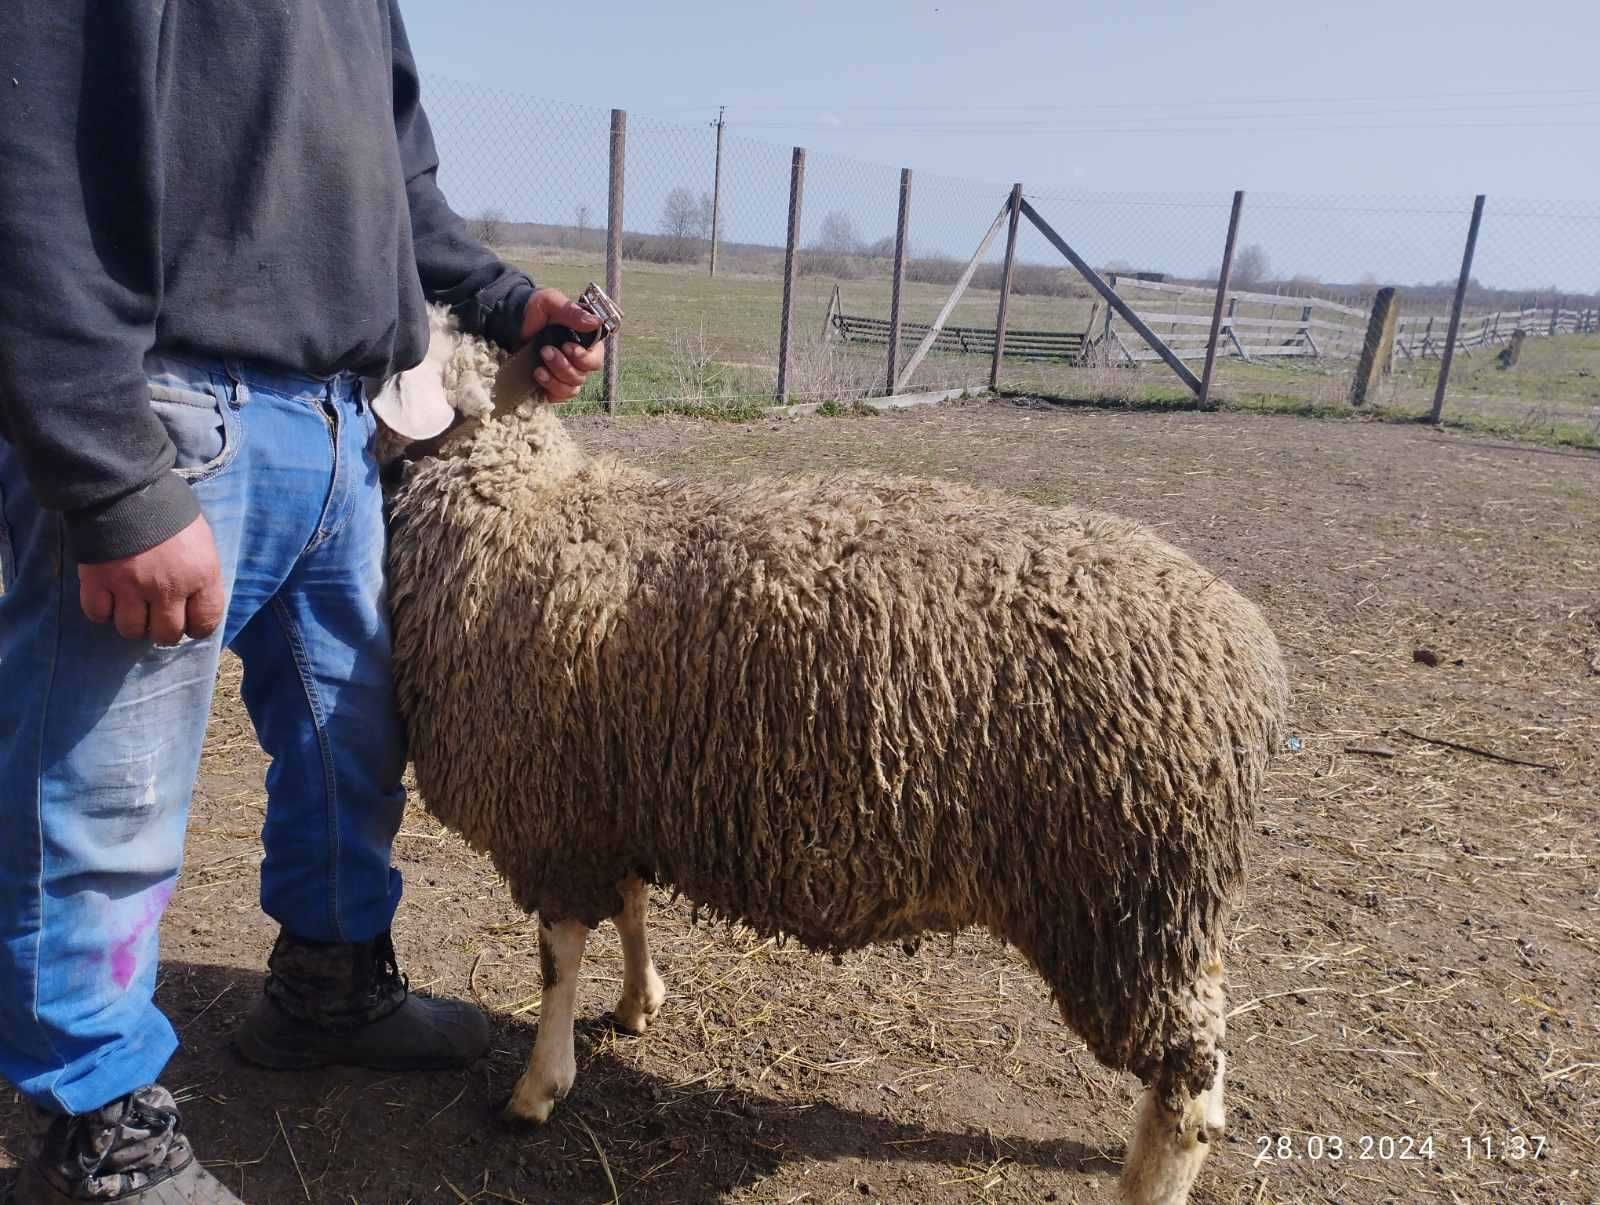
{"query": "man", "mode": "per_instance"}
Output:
(215, 221)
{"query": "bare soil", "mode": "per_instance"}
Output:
(1415, 974)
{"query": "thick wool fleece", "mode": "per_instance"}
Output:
(848, 710)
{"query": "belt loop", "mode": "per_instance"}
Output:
(234, 371)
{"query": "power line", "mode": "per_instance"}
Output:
(989, 130)
(1183, 103)
(1256, 112)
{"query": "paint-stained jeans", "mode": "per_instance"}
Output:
(100, 737)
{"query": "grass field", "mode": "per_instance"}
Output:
(699, 345)
(738, 315)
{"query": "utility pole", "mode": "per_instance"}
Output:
(716, 190)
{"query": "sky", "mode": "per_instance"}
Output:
(1359, 130)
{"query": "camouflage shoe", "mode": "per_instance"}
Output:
(349, 1004)
(130, 1151)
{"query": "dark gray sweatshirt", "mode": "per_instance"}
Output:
(227, 178)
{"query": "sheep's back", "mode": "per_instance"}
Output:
(808, 703)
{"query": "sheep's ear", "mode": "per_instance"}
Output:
(413, 404)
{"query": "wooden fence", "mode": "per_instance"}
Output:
(1244, 334)
(1420, 336)
(1315, 328)
(1066, 347)
(1251, 325)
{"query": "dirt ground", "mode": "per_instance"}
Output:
(1415, 973)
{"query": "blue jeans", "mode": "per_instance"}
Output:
(100, 737)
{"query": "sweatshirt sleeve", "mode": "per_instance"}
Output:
(80, 269)
(486, 294)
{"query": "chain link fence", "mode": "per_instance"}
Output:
(1133, 328)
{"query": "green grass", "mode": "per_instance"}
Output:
(667, 305)
(708, 347)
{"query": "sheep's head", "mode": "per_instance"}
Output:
(462, 381)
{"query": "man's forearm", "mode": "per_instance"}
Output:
(486, 294)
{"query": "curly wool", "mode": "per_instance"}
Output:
(469, 365)
(846, 709)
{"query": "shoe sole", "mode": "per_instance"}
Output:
(194, 1185)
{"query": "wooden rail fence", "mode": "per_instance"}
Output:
(1065, 347)
(1242, 336)
(1420, 336)
(1312, 327)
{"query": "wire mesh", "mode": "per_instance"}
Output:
(532, 177)
(1132, 241)
(1527, 360)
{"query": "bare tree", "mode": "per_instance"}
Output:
(1250, 266)
(686, 216)
(489, 227)
(582, 214)
(685, 223)
(679, 219)
(838, 234)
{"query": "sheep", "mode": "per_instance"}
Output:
(846, 709)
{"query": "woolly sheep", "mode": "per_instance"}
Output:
(849, 710)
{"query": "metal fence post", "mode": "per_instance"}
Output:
(619, 138)
(1455, 310)
(797, 185)
(1222, 292)
(1005, 287)
(902, 225)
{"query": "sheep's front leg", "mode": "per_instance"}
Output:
(1169, 1145)
(642, 989)
(553, 1066)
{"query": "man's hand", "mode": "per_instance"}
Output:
(564, 369)
(161, 594)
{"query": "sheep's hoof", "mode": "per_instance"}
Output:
(514, 1117)
(508, 1120)
(533, 1100)
(637, 1009)
(1202, 1121)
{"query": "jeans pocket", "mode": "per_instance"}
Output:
(201, 422)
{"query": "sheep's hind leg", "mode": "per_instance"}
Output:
(642, 989)
(553, 1066)
(1170, 1143)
